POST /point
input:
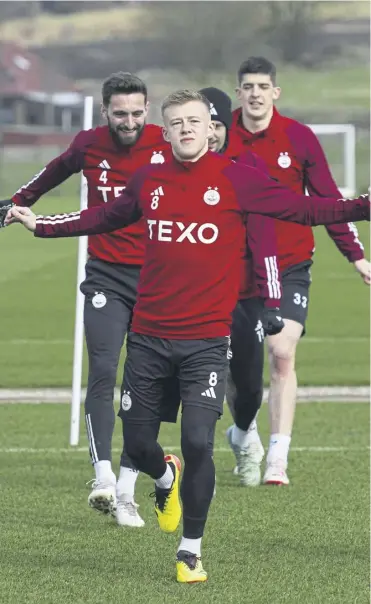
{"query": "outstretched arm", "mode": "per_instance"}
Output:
(111, 216)
(53, 174)
(258, 194)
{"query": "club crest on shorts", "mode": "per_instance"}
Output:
(284, 160)
(157, 157)
(126, 401)
(212, 197)
(99, 300)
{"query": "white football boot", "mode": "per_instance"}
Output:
(103, 495)
(248, 460)
(127, 513)
(275, 473)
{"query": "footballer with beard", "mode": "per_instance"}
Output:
(108, 156)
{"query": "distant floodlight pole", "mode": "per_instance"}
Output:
(79, 313)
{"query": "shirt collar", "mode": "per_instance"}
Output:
(192, 166)
(274, 128)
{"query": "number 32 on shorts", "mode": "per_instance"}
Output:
(300, 300)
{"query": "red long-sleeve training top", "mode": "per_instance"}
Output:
(194, 212)
(295, 158)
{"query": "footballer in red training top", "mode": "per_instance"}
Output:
(107, 156)
(195, 236)
(187, 291)
(107, 168)
(294, 157)
(257, 312)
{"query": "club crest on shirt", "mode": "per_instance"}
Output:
(284, 160)
(212, 197)
(157, 157)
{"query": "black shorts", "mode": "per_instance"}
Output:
(296, 282)
(105, 281)
(155, 366)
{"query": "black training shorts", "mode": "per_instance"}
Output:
(155, 366)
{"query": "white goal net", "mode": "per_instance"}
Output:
(339, 144)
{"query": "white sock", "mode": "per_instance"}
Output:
(252, 433)
(279, 445)
(103, 470)
(191, 545)
(166, 480)
(239, 437)
(126, 484)
(253, 425)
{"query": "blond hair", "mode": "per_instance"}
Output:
(181, 97)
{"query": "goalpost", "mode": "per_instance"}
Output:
(79, 312)
(342, 160)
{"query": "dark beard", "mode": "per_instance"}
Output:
(117, 140)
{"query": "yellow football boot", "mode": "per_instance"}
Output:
(167, 504)
(189, 568)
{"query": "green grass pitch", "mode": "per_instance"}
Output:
(38, 285)
(307, 543)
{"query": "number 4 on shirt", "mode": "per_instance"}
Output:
(103, 177)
